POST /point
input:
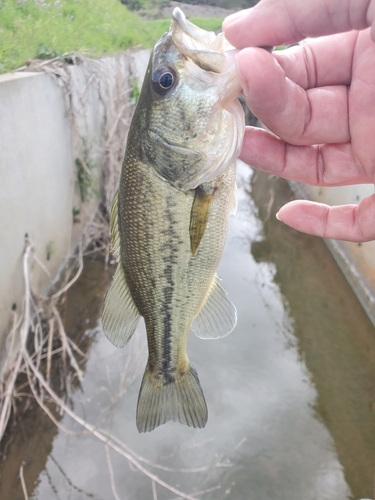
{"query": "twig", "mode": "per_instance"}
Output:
(44, 407)
(55, 351)
(154, 493)
(66, 344)
(95, 250)
(115, 124)
(202, 492)
(73, 280)
(10, 341)
(111, 475)
(149, 462)
(239, 444)
(82, 493)
(76, 348)
(269, 205)
(6, 408)
(49, 348)
(42, 266)
(23, 484)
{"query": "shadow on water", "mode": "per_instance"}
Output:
(290, 393)
(335, 338)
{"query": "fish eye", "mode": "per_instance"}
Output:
(163, 80)
(166, 80)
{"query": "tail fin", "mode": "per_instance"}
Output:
(180, 400)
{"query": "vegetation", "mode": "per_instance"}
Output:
(41, 29)
(224, 4)
(162, 25)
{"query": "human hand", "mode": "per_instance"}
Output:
(319, 100)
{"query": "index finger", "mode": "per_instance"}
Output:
(278, 22)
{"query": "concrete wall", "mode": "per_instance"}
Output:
(357, 260)
(39, 145)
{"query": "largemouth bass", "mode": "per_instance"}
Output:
(169, 220)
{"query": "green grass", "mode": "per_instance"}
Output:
(160, 26)
(32, 29)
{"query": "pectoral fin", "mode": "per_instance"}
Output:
(120, 315)
(199, 215)
(218, 316)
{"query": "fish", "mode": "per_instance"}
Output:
(170, 216)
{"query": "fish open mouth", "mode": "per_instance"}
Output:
(209, 51)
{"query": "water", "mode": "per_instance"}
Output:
(291, 392)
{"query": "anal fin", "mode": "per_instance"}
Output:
(217, 317)
(120, 315)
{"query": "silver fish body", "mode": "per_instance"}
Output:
(169, 221)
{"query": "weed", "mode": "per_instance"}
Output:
(50, 249)
(44, 29)
(135, 91)
(87, 179)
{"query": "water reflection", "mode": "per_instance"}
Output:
(335, 338)
(270, 434)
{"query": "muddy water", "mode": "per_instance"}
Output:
(291, 392)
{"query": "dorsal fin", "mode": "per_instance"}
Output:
(218, 316)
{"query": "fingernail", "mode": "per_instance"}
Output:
(277, 216)
(231, 19)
